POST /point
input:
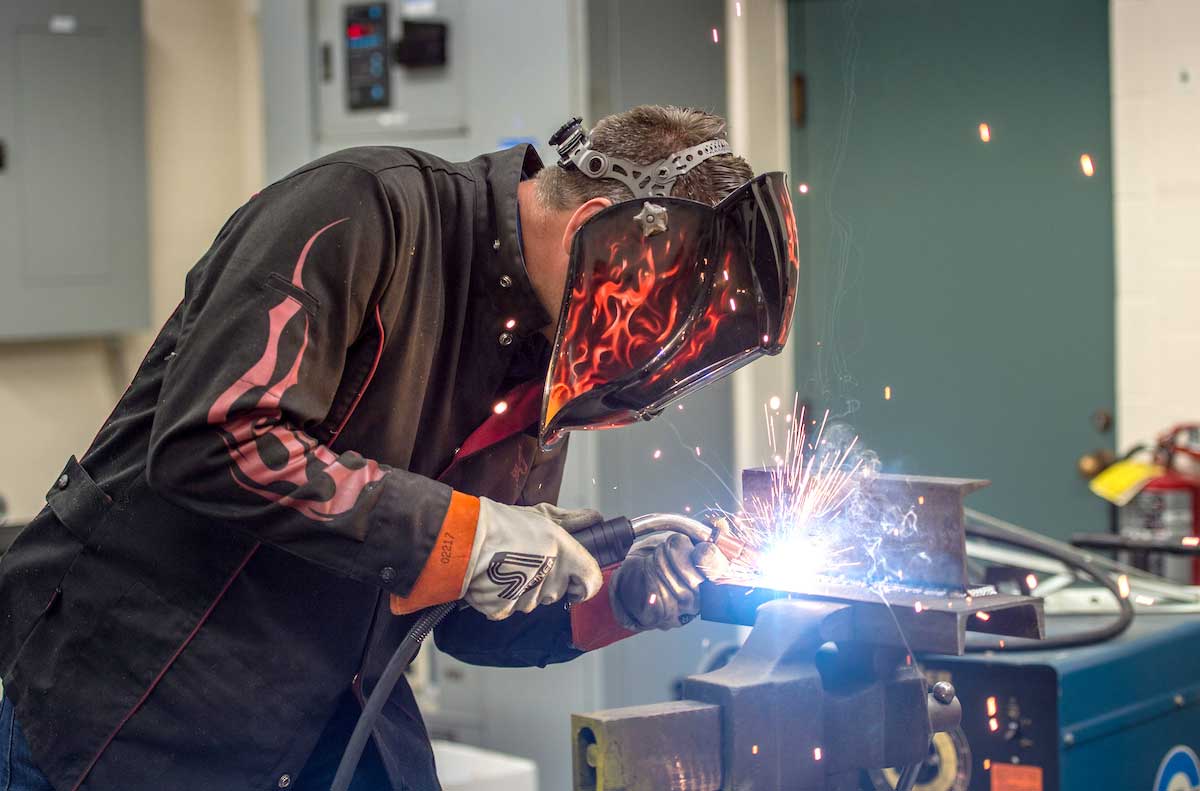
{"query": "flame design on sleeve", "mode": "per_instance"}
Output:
(311, 478)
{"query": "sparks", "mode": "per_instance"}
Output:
(1031, 581)
(657, 453)
(697, 450)
(680, 407)
(774, 403)
(754, 749)
(1123, 586)
(993, 725)
(716, 38)
(810, 483)
(1085, 164)
(732, 304)
(887, 393)
(1191, 541)
(802, 188)
(510, 324)
(500, 407)
(987, 764)
(985, 133)
(992, 706)
(921, 499)
(983, 616)
(918, 607)
(816, 753)
(1145, 601)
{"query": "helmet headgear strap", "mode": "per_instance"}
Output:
(575, 152)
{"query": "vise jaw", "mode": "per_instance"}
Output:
(802, 706)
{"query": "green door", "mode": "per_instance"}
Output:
(958, 294)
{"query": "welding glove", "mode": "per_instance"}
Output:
(658, 584)
(525, 556)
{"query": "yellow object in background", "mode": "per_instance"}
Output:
(1122, 480)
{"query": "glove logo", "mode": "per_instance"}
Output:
(512, 572)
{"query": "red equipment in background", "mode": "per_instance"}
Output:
(1168, 507)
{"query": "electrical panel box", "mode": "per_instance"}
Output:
(73, 248)
(391, 71)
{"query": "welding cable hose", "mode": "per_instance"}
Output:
(608, 542)
(981, 525)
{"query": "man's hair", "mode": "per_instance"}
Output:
(644, 135)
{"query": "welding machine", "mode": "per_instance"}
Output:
(1122, 715)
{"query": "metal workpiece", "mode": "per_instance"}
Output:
(925, 621)
(932, 554)
(660, 747)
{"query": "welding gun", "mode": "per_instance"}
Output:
(608, 541)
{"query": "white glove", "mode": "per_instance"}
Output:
(525, 556)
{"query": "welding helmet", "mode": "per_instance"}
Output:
(665, 295)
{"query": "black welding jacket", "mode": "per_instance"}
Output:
(208, 579)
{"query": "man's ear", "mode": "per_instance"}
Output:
(582, 215)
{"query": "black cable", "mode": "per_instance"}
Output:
(383, 690)
(992, 529)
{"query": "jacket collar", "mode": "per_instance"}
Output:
(505, 280)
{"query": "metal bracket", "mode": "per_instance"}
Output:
(655, 180)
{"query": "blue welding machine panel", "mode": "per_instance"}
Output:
(1104, 717)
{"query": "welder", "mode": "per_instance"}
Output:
(357, 412)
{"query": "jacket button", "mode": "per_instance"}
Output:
(387, 574)
(505, 338)
(505, 281)
(496, 244)
(284, 781)
(63, 481)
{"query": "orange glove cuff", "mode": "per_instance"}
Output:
(441, 580)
